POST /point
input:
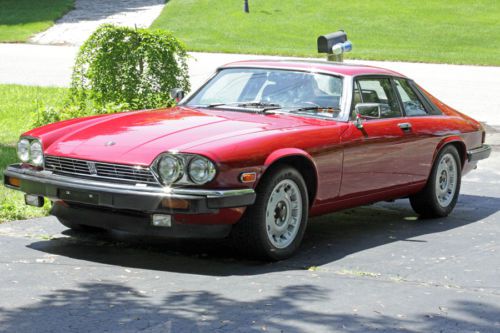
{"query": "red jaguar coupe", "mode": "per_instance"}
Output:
(252, 154)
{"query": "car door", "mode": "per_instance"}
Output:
(376, 156)
(427, 126)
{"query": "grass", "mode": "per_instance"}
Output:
(458, 32)
(20, 19)
(16, 105)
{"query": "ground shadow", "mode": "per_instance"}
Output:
(108, 307)
(328, 238)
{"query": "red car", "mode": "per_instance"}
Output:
(252, 154)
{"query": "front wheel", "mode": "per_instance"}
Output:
(274, 226)
(440, 195)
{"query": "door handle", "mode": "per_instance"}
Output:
(406, 127)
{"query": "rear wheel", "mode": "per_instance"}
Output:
(440, 195)
(274, 226)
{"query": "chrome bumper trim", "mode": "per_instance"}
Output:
(141, 198)
(44, 176)
(479, 153)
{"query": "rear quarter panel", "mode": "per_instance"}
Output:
(455, 127)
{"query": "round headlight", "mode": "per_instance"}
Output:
(201, 170)
(170, 169)
(23, 150)
(36, 153)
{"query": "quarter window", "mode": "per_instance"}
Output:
(411, 103)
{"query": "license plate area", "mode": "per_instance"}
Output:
(77, 196)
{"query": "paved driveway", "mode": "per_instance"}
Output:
(374, 268)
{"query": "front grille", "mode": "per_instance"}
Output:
(98, 170)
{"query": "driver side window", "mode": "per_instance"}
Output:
(377, 90)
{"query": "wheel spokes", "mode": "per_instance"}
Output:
(446, 180)
(283, 213)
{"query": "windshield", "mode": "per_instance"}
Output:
(271, 89)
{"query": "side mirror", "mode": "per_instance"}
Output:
(177, 94)
(366, 111)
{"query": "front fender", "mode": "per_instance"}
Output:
(299, 159)
(286, 152)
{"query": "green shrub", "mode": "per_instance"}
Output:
(49, 114)
(12, 207)
(121, 65)
(120, 68)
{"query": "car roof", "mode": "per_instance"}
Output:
(344, 69)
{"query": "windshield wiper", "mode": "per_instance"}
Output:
(314, 108)
(262, 106)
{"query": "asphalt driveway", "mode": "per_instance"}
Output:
(374, 268)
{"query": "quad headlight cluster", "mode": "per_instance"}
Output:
(184, 169)
(30, 151)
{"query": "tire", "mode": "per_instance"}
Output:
(440, 195)
(78, 227)
(273, 227)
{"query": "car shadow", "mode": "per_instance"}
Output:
(328, 238)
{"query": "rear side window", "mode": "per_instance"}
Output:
(411, 103)
(431, 107)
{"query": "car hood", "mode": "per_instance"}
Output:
(138, 137)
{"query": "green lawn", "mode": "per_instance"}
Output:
(16, 105)
(20, 19)
(459, 31)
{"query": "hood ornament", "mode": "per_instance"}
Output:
(110, 143)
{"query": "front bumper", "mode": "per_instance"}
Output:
(479, 153)
(148, 199)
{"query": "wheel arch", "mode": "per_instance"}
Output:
(458, 143)
(301, 161)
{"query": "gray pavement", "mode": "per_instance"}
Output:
(373, 268)
(78, 24)
(471, 89)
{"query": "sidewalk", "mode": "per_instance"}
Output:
(78, 24)
(470, 89)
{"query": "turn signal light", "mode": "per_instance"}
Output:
(248, 177)
(175, 203)
(16, 182)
